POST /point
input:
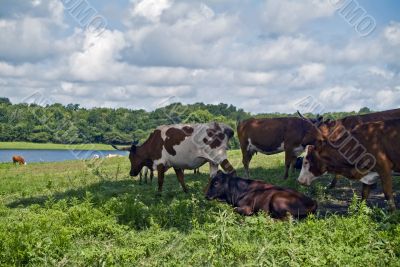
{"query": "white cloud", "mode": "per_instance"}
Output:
(210, 51)
(307, 74)
(150, 9)
(387, 98)
(99, 57)
(290, 15)
(392, 33)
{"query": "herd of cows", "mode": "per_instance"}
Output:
(362, 147)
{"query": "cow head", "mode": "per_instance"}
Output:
(218, 187)
(313, 166)
(137, 162)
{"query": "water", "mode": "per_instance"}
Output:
(55, 155)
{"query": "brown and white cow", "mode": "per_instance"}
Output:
(182, 146)
(18, 160)
(369, 151)
(271, 136)
(323, 128)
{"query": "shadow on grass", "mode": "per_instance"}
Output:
(139, 206)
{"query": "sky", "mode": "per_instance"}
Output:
(262, 56)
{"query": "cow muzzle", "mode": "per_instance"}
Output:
(305, 182)
(305, 177)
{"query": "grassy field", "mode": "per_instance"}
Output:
(91, 213)
(27, 145)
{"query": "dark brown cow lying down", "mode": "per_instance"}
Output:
(249, 196)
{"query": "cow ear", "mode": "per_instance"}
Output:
(310, 148)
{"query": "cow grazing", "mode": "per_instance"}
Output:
(18, 159)
(323, 128)
(369, 151)
(182, 146)
(250, 196)
(271, 136)
(145, 173)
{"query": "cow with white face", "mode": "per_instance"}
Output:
(368, 151)
(314, 167)
(182, 146)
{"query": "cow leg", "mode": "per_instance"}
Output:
(288, 161)
(151, 176)
(366, 188)
(246, 210)
(246, 158)
(161, 173)
(145, 175)
(387, 185)
(181, 176)
(140, 177)
(292, 163)
(333, 183)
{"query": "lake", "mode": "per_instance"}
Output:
(33, 155)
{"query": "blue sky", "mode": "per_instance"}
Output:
(263, 56)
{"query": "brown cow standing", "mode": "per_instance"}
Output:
(250, 196)
(368, 148)
(348, 123)
(18, 159)
(271, 136)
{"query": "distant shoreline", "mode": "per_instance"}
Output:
(51, 146)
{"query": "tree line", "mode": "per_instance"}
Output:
(72, 124)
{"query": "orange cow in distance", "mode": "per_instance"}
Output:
(18, 159)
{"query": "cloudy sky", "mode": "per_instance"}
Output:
(263, 56)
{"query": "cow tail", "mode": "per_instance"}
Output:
(238, 126)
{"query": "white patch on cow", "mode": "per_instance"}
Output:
(370, 178)
(306, 177)
(298, 150)
(192, 152)
(253, 148)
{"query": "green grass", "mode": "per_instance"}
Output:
(91, 213)
(27, 145)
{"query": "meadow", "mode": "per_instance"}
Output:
(91, 213)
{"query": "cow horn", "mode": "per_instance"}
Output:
(301, 116)
(125, 148)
